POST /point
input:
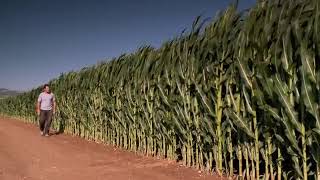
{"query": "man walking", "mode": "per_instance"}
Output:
(46, 107)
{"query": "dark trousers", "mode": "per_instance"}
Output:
(45, 121)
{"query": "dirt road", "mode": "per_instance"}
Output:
(25, 155)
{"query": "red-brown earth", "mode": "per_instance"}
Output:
(25, 155)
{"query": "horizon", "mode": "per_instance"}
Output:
(43, 39)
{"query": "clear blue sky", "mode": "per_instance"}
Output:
(39, 39)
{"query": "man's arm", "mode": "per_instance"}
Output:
(38, 107)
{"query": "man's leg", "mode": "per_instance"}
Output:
(42, 120)
(48, 122)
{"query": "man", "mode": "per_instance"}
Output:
(46, 107)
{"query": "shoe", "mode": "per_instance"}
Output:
(41, 133)
(47, 135)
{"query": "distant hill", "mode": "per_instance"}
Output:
(6, 92)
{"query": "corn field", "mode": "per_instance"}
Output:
(239, 96)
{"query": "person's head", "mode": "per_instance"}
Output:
(46, 88)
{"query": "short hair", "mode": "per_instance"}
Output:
(46, 85)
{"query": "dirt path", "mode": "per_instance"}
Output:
(25, 155)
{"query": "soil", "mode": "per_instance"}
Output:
(25, 155)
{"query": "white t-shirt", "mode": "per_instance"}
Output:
(46, 101)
